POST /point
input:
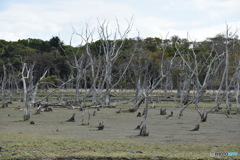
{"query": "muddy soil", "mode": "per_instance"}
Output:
(218, 129)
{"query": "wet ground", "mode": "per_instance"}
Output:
(218, 129)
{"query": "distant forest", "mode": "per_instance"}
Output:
(137, 59)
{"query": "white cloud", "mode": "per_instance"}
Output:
(150, 26)
(215, 8)
(53, 17)
(44, 19)
(196, 23)
(199, 34)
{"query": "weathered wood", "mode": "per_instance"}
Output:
(227, 113)
(139, 114)
(143, 130)
(139, 126)
(48, 109)
(119, 111)
(4, 105)
(26, 117)
(82, 117)
(144, 111)
(38, 111)
(18, 108)
(89, 117)
(100, 126)
(163, 111)
(170, 115)
(204, 114)
(32, 122)
(196, 128)
(54, 105)
(72, 119)
(4, 81)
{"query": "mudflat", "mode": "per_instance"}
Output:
(52, 137)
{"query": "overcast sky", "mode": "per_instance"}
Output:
(22, 19)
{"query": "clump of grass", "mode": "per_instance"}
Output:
(24, 146)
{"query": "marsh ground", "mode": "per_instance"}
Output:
(51, 137)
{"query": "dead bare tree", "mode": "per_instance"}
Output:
(151, 83)
(25, 76)
(237, 91)
(10, 88)
(54, 90)
(209, 65)
(219, 101)
(226, 75)
(186, 87)
(143, 129)
(28, 87)
(95, 62)
(15, 76)
(137, 67)
(78, 65)
(101, 66)
(4, 81)
(111, 50)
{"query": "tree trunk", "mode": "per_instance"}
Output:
(237, 93)
(26, 113)
(94, 96)
(217, 101)
(34, 92)
(15, 81)
(108, 80)
(184, 102)
(137, 105)
(3, 87)
(77, 92)
(226, 74)
(138, 88)
(10, 88)
(143, 130)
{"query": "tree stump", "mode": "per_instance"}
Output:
(89, 117)
(48, 109)
(139, 126)
(170, 115)
(32, 122)
(5, 105)
(72, 119)
(139, 114)
(203, 116)
(119, 111)
(196, 128)
(100, 126)
(144, 111)
(163, 111)
(26, 117)
(143, 130)
(38, 109)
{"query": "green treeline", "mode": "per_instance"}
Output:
(57, 58)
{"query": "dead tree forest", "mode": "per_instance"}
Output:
(110, 70)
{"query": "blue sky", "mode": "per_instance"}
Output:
(22, 19)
